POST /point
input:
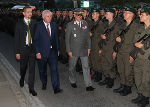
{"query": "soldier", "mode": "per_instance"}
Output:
(97, 29)
(106, 49)
(70, 15)
(142, 62)
(125, 40)
(78, 44)
(64, 21)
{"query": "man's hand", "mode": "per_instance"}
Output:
(118, 39)
(114, 55)
(131, 59)
(139, 45)
(38, 56)
(59, 27)
(18, 56)
(89, 52)
(90, 34)
(58, 53)
(100, 52)
(103, 36)
(70, 54)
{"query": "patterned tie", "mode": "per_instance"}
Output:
(29, 35)
(48, 30)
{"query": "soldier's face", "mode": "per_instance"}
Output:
(109, 15)
(28, 13)
(47, 17)
(85, 13)
(144, 17)
(58, 13)
(95, 15)
(70, 13)
(128, 15)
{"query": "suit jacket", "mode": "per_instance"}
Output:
(78, 39)
(42, 42)
(20, 35)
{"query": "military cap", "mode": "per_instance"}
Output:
(110, 10)
(64, 10)
(57, 9)
(145, 10)
(96, 10)
(131, 9)
(78, 11)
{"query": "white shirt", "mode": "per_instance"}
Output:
(79, 23)
(48, 26)
(26, 21)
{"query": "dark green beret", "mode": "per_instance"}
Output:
(96, 10)
(110, 10)
(131, 9)
(145, 10)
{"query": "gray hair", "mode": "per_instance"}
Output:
(46, 11)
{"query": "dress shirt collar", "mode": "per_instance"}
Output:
(46, 24)
(26, 20)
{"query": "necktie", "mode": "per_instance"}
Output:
(48, 30)
(79, 24)
(29, 35)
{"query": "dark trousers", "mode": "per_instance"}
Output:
(52, 60)
(28, 58)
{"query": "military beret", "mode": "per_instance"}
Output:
(78, 11)
(145, 10)
(96, 10)
(58, 9)
(131, 9)
(64, 10)
(110, 10)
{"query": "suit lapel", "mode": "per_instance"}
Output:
(51, 25)
(24, 29)
(44, 28)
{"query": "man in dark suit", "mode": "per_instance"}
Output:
(47, 50)
(24, 49)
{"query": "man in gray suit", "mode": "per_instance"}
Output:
(78, 44)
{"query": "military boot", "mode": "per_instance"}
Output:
(118, 90)
(138, 99)
(98, 77)
(126, 91)
(104, 82)
(110, 83)
(93, 74)
(144, 102)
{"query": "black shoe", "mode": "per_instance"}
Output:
(74, 85)
(58, 90)
(110, 83)
(33, 92)
(118, 90)
(44, 87)
(98, 76)
(104, 82)
(138, 99)
(126, 91)
(21, 82)
(90, 88)
(144, 102)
